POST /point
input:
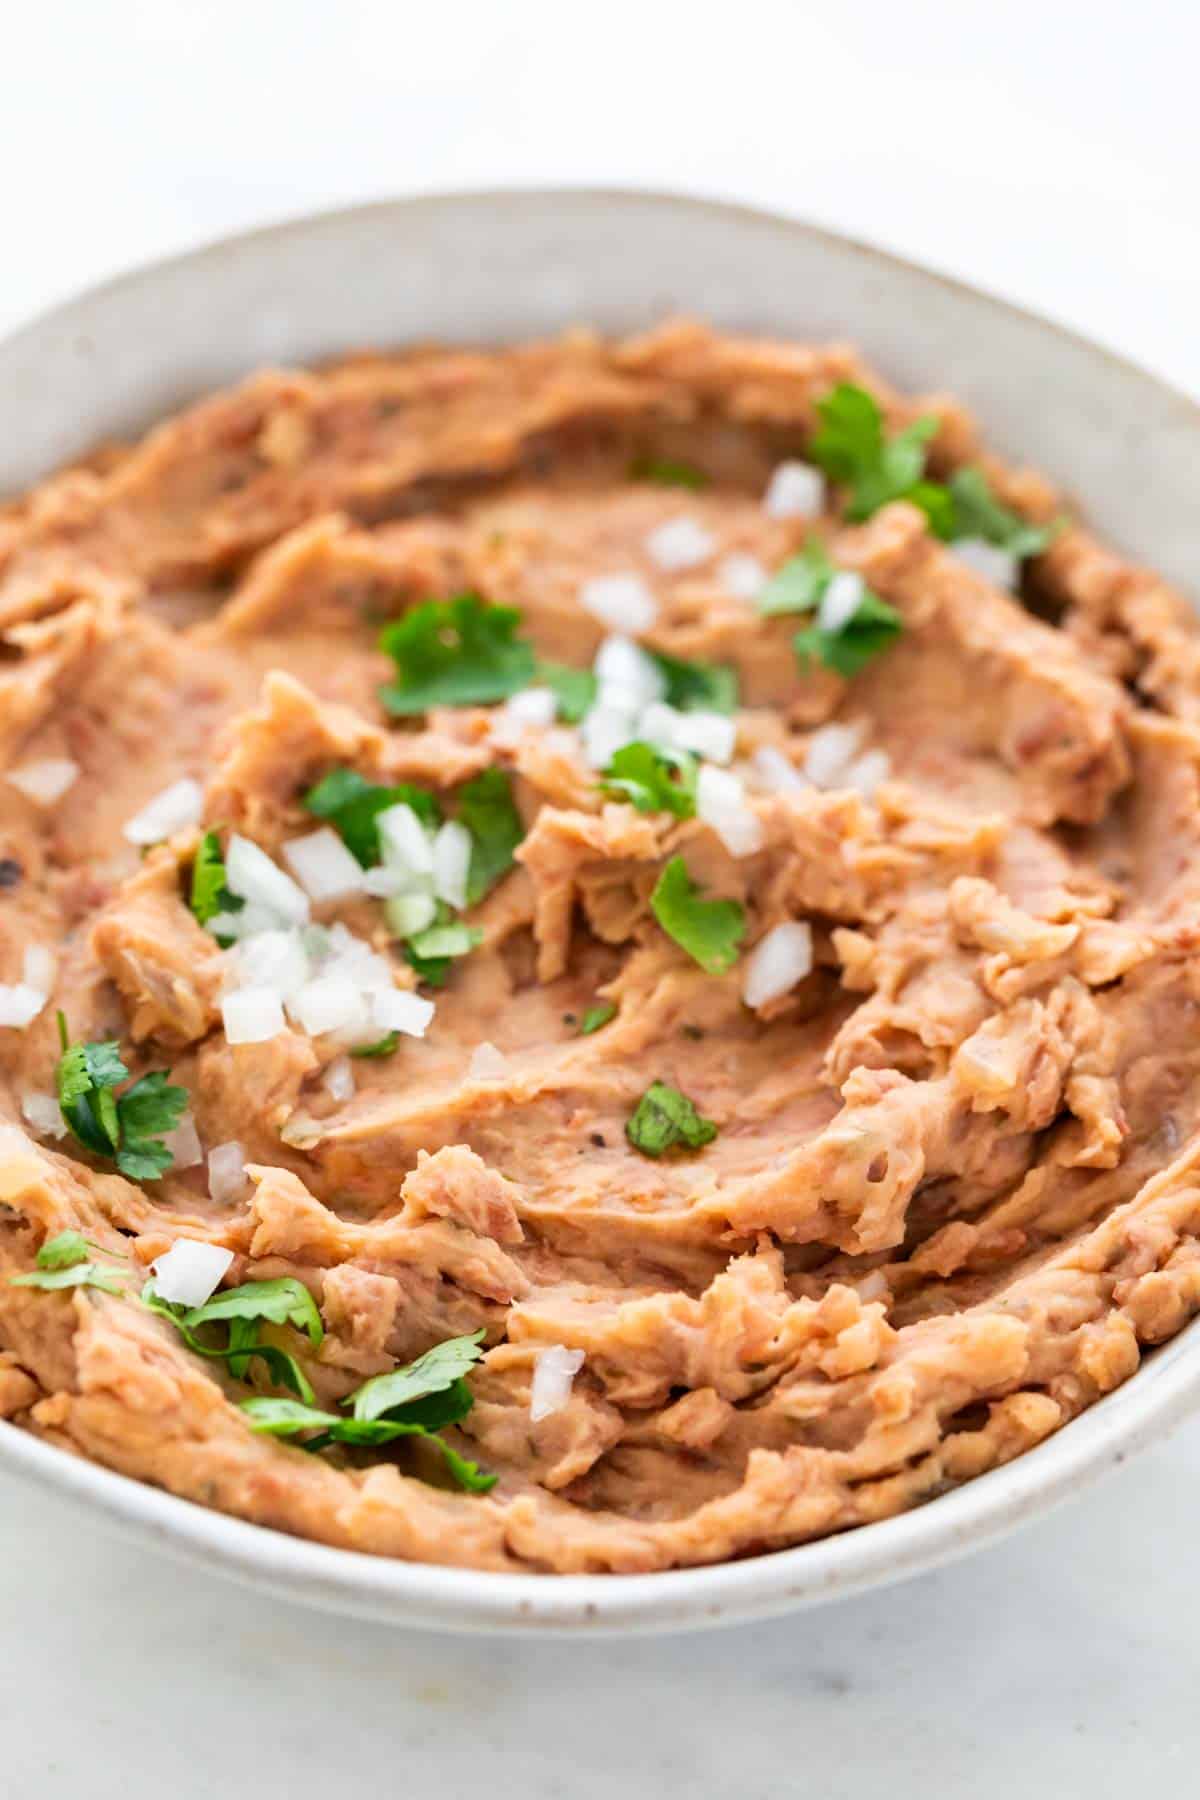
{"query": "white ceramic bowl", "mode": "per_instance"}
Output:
(494, 267)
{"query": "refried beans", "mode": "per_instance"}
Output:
(597, 953)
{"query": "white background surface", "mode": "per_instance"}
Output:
(1046, 149)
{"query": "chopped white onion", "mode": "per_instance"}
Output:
(271, 959)
(250, 873)
(20, 1004)
(777, 962)
(301, 1131)
(404, 840)
(172, 810)
(190, 1272)
(40, 967)
(252, 1015)
(841, 600)
(533, 706)
(451, 863)
(624, 668)
(407, 914)
(742, 574)
(44, 1114)
(554, 1369)
(227, 1178)
(46, 780)
(603, 732)
(383, 882)
(330, 1003)
(184, 1144)
(777, 772)
(338, 1079)
(398, 1010)
(795, 491)
(709, 734)
(829, 750)
(721, 803)
(487, 1063)
(868, 771)
(250, 921)
(623, 602)
(998, 566)
(323, 866)
(680, 544)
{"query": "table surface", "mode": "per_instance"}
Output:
(1045, 152)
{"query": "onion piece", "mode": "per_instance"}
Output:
(777, 772)
(997, 566)
(190, 1272)
(841, 600)
(172, 810)
(407, 914)
(451, 863)
(829, 751)
(554, 1370)
(227, 1178)
(39, 968)
(270, 959)
(532, 706)
(604, 731)
(43, 1113)
(250, 873)
(721, 803)
(399, 1010)
(20, 1004)
(183, 1141)
(868, 772)
(622, 602)
(623, 667)
(45, 780)
(778, 961)
(742, 574)
(487, 1063)
(252, 1015)
(338, 1079)
(330, 1003)
(404, 841)
(323, 866)
(680, 544)
(795, 491)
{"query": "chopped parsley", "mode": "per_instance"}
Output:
(416, 1400)
(597, 1016)
(126, 1127)
(666, 1120)
(352, 805)
(485, 807)
(697, 686)
(709, 930)
(242, 1310)
(574, 690)
(978, 514)
(384, 1046)
(65, 1262)
(459, 652)
(665, 472)
(653, 778)
(800, 585)
(209, 895)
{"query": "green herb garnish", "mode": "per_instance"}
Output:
(595, 1017)
(124, 1127)
(485, 807)
(800, 586)
(416, 1400)
(64, 1262)
(285, 1301)
(209, 895)
(697, 686)
(459, 652)
(709, 930)
(574, 690)
(665, 472)
(665, 1120)
(978, 514)
(653, 778)
(851, 447)
(352, 805)
(384, 1046)
(430, 952)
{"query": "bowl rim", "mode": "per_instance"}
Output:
(1157, 1397)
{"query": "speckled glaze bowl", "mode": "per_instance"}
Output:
(492, 267)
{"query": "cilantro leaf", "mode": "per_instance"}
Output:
(485, 807)
(595, 1017)
(798, 584)
(431, 951)
(209, 895)
(79, 1274)
(352, 805)
(250, 1305)
(436, 1370)
(851, 447)
(151, 1106)
(574, 689)
(284, 1301)
(665, 472)
(653, 778)
(874, 627)
(384, 1046)
(665, 1120)
(709, 930)
(459, 652)
(697, 686)
(978, 513)
(84, 1081)
(63, 1251)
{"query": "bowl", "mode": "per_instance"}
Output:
(491, 267)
